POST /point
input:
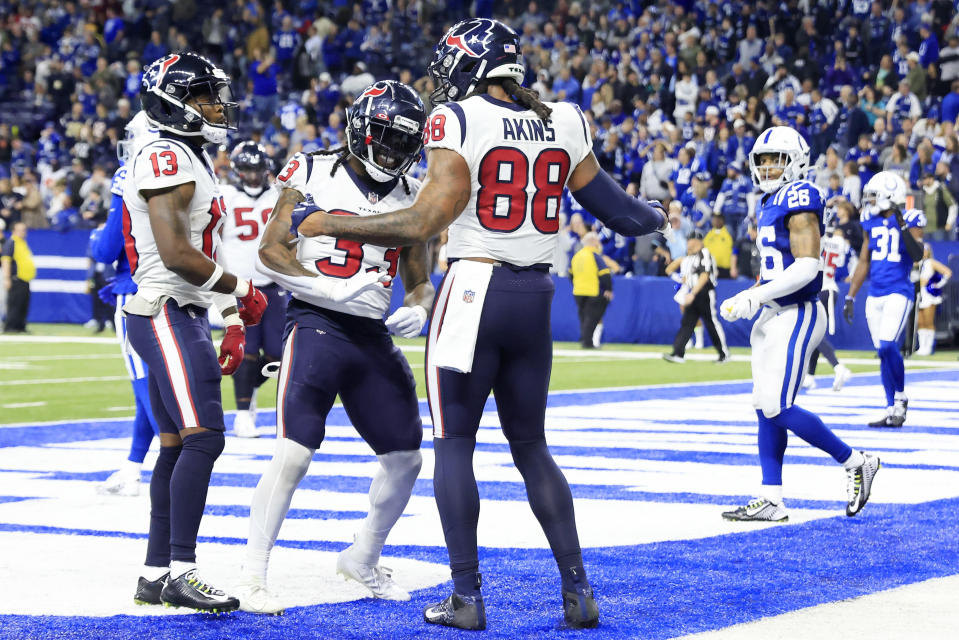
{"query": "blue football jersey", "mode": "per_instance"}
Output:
(890, 264)
(773, 234)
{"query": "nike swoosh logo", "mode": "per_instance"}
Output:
(167, 147)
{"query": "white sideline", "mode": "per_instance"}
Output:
(922, 610)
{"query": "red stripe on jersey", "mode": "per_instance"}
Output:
(129, 242)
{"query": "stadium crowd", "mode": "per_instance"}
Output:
(674, 92)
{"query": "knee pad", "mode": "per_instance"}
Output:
(402, 464)
(209, 442)
(888, 349)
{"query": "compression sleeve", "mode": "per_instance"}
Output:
(618, 210)
(913, 247)
(796, 276)
(108, 244)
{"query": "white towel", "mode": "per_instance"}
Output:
(456, 342)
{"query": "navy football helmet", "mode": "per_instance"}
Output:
(170, 82)
(470, 52)
(252, 167)
(384, 129)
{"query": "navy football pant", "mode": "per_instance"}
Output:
(513, 358)
(264, 344)
(184, 383)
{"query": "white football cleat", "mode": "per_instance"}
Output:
(843, 374)
(377, 579)
(120, 483)
(759, 510)
(808, 382)
(254, 597)
(244, 425)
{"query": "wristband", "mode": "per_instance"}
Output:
(209, 284)
(232, 320)
(242, 288)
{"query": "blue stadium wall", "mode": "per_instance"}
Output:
(642, 311)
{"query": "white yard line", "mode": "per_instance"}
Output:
(22, 405)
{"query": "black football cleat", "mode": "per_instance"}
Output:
(462, 612)
(190, 591)
(579, 605)
(883, 422)
(148, 591)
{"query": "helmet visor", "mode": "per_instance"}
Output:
(393, 150)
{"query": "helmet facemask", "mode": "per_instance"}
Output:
(789, 162)
(386, 150)
(212, 92)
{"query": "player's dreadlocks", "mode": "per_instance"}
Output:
(344, 154)
(523, 96)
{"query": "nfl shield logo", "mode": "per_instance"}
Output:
(468, 296)
(372, 197)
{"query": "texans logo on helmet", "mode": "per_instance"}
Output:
(471, 38)
(373, 92)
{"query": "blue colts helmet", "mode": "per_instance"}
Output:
(474, 50)
(170, 83)
(251, 166)
(384, 129)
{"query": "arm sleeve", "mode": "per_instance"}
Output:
(108, 244)
(796, 276)
(295, 173)
(446, 128)
(173, 166)
(619, 211)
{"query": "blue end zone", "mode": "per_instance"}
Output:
(657, 590)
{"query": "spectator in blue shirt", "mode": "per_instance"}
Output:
(565, 86)
(285, 41)
(950, 104)
(929, 48)
(154, 50)
(263, 72)
(732, 200)
(865, 157)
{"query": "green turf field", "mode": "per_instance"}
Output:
(70, 379)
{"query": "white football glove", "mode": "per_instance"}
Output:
(741, 306)
(407, 322)
(345, 290)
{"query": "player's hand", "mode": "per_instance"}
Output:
(233, 346)
(741, 306)
(252, 306)
(339, 290)
(849, 309)
(407, 322)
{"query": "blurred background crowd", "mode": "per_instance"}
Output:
(675, 93)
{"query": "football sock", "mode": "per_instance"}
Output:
(271, 502)
(828, 352)
(552, 503)
(927, 340)
(244, 381)
(178, 568)
(259, 379)
(698, 332)
(772, 492)
(855, 459)
(457, 500)
(154, 573)
(188, 487)
(144, 424)
(158, 543)
(813, 362)
(772, 448)
(389, 494)
(810, 428)
(891, 369)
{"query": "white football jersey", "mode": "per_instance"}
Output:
(519, 167)
(162, 164)
(346, 194)
(244, 220)
(834, 250)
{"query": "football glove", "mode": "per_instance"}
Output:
(741, 306)
(666, 229)
(252, 306)
(407, 322)
(233, 346)
(849, 309)
(344, 290)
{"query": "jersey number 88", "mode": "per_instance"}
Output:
(503, 200)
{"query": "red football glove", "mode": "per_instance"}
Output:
(232, 349)
(252, 306)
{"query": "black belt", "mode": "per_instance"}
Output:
(541, 266)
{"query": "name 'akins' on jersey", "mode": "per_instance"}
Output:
(529, 129)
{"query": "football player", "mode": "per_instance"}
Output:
(791, 324)
(894, 243)
(834, 253)
(499, 159)
(336, 341)
(249, 201)
(107, 247)
(172, 213)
